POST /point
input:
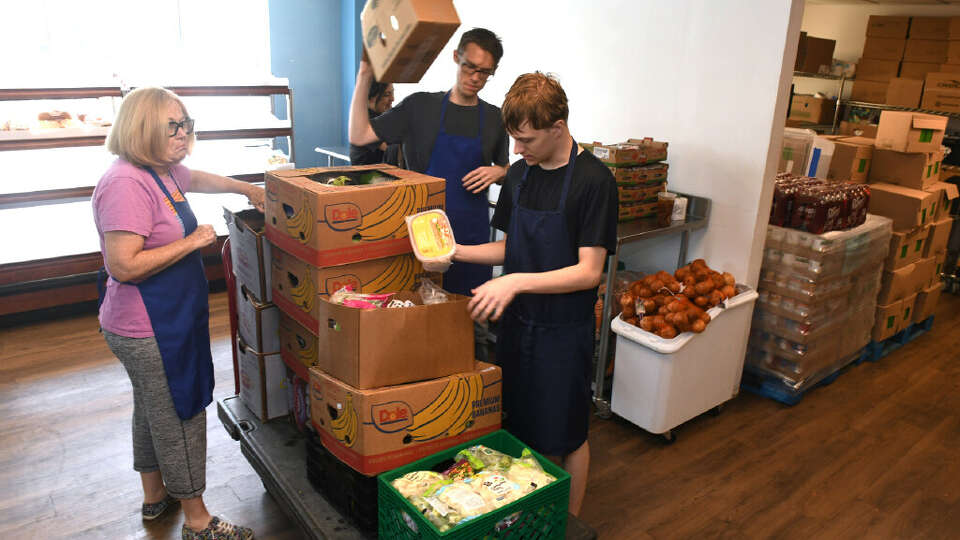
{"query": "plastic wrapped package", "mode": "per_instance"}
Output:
(795, 285)
(800, 310)
(843, 251)
(812, 205)
(799, 352)
(800, 332)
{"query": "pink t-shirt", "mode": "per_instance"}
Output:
(128, 199)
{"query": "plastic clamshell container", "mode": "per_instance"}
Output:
(431, 235)
(661, 383)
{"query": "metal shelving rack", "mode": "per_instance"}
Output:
(698, 214)
(836, 110)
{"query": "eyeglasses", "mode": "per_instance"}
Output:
(469, 69)
(174, 127)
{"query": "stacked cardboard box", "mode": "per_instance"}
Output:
(389, 385)
(639, 169)
(817, 299)
(905, 187)
(264, 384)
(880, 61)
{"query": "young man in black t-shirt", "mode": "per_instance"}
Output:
(558, 209)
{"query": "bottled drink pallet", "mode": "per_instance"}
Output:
(773, 387)
(879, 349)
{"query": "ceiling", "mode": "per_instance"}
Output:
(886, 2)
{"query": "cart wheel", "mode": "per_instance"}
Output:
(668, 437)
(715, 412)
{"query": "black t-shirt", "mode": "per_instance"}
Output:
(592, 201)
(370, 154)
(415, 123)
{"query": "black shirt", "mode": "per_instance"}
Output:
(592, 201)
(415, 123)
(370, 154)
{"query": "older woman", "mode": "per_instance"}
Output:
(154, 311)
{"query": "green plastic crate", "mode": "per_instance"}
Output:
(541, 514)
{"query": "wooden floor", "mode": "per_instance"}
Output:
(874, 455)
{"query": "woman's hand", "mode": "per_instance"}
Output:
(202, 236)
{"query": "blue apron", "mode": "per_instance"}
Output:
(546, 341)
(177, 303)
(452, 158)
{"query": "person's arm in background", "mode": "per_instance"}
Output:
(361, 132)
(491, 298)
(204, 182)
(480, 178)
(128, 261)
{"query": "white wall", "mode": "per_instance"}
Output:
(704, 75)
(847, 24)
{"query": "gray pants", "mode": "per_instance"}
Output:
(161, 441)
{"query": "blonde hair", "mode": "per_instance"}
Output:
(139, 132)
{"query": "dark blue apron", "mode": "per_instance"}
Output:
(177, 303)
(546, 342)
(452, 158)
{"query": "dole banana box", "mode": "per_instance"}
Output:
(370, 348)
(298, 346)
(380, 429)
(338, 215)
(298, 286)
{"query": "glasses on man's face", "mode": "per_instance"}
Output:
(174, 127)
(469, 69)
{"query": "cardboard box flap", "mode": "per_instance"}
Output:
(926, 122)
(949, 189)
(859, 141)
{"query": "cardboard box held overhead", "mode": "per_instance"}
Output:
(250, 251)
(910, 131)
(851, 159)
(884, 26)
(298, 286)
(812, 109)
(914, 170)
(884, 48)
(907, 208)
(870, 69)
(945, 193)
(906, 248)
(402, 38)
(869, 91)
(904, 92)
(339, 215)
(370, 348)
(380, 429)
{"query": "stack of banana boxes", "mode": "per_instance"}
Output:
(387, 385)
(264, 384)
(637, 165)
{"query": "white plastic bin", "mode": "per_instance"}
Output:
(659, 383)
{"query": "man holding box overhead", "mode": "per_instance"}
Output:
(453, 135)
(558, 208)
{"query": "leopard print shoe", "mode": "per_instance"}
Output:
(218, 530)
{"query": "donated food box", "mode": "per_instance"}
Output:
(632, 153)
(904, 92)
(250, 251)
(339, 215)
(298, 346)
(936, 242)
(917, 70)
(263, 382)
(927, 302)
(884, 48)
(402, 38)
(814, 54)
(257, 322)
(369, 348)
(640, 193)
(869, 69)
(888, 321)
(869, 91)
(859, 129)
(925, 50)
(812, 109)
(885, 26)
(937, 28)
(906, 247)
(910, 131)
(906, 280)
(380, 429)
(298, 286)
(908, 208)
(913, 170)
(944, 193)
(851, 159)
(906, 319)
